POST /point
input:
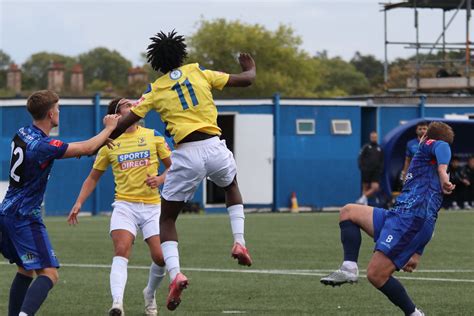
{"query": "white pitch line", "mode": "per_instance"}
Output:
(271, 272)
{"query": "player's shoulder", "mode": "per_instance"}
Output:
(104, 150)
(434, 142)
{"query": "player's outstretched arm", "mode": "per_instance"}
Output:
(124, 123)
(446, 185)
(405, 167)
(248, 74)
(87, 188)
(91, 145)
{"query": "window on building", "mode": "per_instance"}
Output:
(305, 127)
(341, 127)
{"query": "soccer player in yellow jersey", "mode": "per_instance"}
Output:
(183, 98)
(135, 161)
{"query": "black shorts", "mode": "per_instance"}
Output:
(369, 176)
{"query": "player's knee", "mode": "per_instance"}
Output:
(122, 250)
(345, 212)
(50, 273)
(375, 186)
(54, 276)
(376, 277)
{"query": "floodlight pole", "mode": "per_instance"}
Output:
(444, 37)
(417, 74)
(385, 65)
(468, 43)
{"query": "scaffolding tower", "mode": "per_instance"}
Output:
(443, 82)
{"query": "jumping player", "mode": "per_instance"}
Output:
(183, 98)
(23, 236)
(401, 233)
(134, 162)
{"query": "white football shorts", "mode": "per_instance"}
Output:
(194, 161)
(132, 216)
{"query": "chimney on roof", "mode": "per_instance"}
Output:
(77, 79)
(56, 77)
(14, 78)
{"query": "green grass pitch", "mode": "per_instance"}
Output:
(290, 251)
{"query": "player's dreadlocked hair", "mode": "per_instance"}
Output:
(166, 52)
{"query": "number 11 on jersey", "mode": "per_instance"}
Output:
(179, 91)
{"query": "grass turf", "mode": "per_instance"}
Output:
(277, 242)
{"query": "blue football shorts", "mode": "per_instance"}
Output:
(399, 235)
(25, 242)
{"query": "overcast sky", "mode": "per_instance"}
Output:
(341, 27)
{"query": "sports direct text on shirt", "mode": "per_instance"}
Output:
(134, 159)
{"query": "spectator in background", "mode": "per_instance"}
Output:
(371, 167)
(457, 177)
(468, 177)
(412, 146)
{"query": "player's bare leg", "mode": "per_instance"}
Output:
(123, 241)
(169, 245)
(352, 217)
(235, 208)
(379, 273)
(156, 275)
(373, 188)
(363, 198)
(18, 290)
(39, 289)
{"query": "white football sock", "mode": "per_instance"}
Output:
(171, 256)
(156, 275)
(118, 278)
(22, 314)
(350, 266)
(237, 221)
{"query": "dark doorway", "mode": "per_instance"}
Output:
(368, 123)
(214, 194)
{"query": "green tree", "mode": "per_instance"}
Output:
(371, 67)
(340, 77)
(35, 69)
(105, 66)
(282, 66)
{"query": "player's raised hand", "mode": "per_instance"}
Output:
(246, 62)
(72, 218)
(110, 121)
(154, 181)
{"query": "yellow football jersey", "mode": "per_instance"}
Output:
(133, 157)
(184, 100)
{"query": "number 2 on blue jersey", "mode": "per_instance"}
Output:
(182, 99)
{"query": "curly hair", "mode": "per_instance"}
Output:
(166, 51)
(440, 131)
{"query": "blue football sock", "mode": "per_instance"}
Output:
(351, 240)
(36, 294)
(18, 290)
(397, 294)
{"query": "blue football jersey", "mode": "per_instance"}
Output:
(412, 147)
(32, 157)
(422, 194)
